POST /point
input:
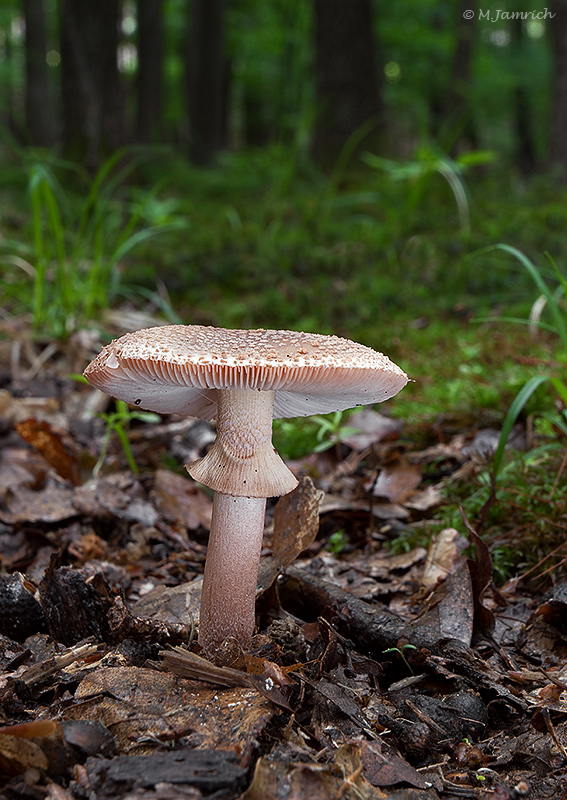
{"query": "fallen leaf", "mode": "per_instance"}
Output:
(424, 499)
(181, 501)
(143, 706)
(486, 441)
(451, 606)
(481, 575)
(444, 551)
(52, 504)
(333, 504)
(296, 522)
(387, 770)
(18, 755)
(32, 730)
(371, 427)
(397, 481)
(17, 409)
(20, 467)
(171, 603)
(276, 780)
(54, 445)
(119, 495)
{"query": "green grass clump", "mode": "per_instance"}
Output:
(70, 269)
(525, 520)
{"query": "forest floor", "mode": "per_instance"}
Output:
(377, 672)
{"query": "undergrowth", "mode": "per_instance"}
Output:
(525, 521)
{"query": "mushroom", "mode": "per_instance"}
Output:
(243, 379)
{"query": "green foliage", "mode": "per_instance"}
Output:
(337, 543)
(524, 521)
(558, 326)
(118, 422)
(294, 438)
(331, 430)
(401, 652)
(407, 540)
(271, 50)
(420, 170)
(79, 242)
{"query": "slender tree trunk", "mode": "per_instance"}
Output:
(40, 116)
(558, 132)
(91, 96)
(347, 80)
(206, 80)
(11, 109)
(455, 111)
(522, 120)
(150, 71)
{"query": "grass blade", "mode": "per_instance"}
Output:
(514, 411)
(559, 322)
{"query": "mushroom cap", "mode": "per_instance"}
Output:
(177, 369)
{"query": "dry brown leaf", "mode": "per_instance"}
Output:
(371, 427)
(444, 552)
(52, 504)
(32, 730)
(452, 606)
(344, 777)
(181, 500)
(333, 504)
(143, 706)
(171, 603)
(386, 770)
(276, 780)
(17, 755)
(119, 495)
(296, 522)
(424, 499)
(20, 466)
(54, 445)
(397, 481)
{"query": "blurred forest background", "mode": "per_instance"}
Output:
(331, 165)
(209, 75)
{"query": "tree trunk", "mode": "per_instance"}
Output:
(558, 134)
(91, 96)
(40, 117)
(150, 71)
(206, 80)
(456, 121)
(522, 120)
(347, 83)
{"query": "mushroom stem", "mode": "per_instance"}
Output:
(242, 461)
(243, 469)
(231, 571)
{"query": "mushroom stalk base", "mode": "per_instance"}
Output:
(231, 571)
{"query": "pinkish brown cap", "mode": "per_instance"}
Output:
(178, 369)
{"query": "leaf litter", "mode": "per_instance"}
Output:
(376, 672)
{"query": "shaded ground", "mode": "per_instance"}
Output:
(376, 673)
